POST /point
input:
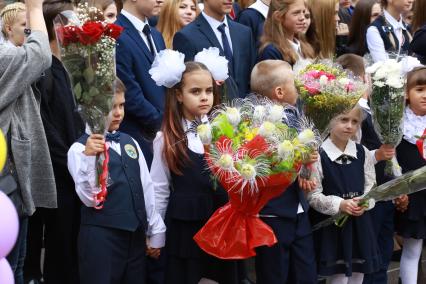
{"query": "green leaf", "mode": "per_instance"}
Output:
(93, 92)
(77, 91)
(89, 75)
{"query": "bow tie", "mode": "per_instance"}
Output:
(113, 137)
(345, 159)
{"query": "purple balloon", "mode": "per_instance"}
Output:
(9, 225)
(6, 274)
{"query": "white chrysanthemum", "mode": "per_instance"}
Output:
(408, 63)
(204, 131)
(306, 136)
(285, 149)
(395, 81)
(323, 80)
(259, 113)
(167, 68)
(380, 74)
(226, 162)
(248, 171)
(217, 65)
(373, 68)
(267, 129)
(379, 84)
(276, 113)
(233, 115)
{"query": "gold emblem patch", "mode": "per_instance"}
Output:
(131, 151)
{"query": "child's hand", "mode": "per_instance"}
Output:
(342, 29)
(385, 152)
(401, 203)
(350, 207)
(313, 157)
(307, 185)
(359, 210)
(94, 145)
(153, 252)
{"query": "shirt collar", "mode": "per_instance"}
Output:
(214, 24)
(188, 123)
(295, 44)
(334, 153)
(393, 22)
(364, 104)
(260, 7)
(136, 22)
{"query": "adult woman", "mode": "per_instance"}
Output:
(109, 8)
(418, 45)
(175, 14)
(366, 11)
(13, 19)
(28, 154)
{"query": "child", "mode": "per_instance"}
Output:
(346, 172)
(179, 165)
(411, 224)
(291, 260)
(281, 31)
(14, 20)
(111, 243)
(383, 212)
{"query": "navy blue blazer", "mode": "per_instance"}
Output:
(144, 99)
(198, 35)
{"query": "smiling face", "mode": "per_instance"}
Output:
(196, 95)
(187, 12)
(294, 19)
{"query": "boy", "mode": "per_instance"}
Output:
(291, 260)
(111, 241)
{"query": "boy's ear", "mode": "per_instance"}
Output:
(279, 93)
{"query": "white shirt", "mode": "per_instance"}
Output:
(139, 25)
(160, 172)
(375, 42)
(214, 24)
(83, 170)
(260, 7)
(329, 204)
(295, 44)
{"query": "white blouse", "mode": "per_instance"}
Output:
(329, 204)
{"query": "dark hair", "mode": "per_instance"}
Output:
(119, 86)
(353, 63)
(416, 77)
(175, 143)
(359, 25)
(419, 18)
(51, 8)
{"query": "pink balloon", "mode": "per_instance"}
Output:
(6, 274)
(9, 225)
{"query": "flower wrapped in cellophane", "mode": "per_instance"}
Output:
(255, 156)
(87, 45)
(387, 103)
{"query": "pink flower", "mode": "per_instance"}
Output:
(350, 87)
(312, 88)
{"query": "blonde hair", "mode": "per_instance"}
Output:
(322, 12)
(169, 22)
(9, 14)
(267, 75)
(274, 33)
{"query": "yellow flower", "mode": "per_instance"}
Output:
(248, 171)
(285, 149)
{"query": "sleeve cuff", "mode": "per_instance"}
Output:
(373, 156)
(157, 240)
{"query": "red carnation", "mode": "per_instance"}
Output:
(91, 33)
(113, 30)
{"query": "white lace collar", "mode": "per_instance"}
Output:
(414, 125)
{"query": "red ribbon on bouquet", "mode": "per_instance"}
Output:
(235, 230)
(103, 180)
(421, 145)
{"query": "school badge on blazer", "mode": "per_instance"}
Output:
(131, 151)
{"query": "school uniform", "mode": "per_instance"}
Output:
(387, 35)
(418, 45)
(412, 222)
(111, 243)
(187, 201)
(254, 18)
(383, 211)
(291, 259)
(344, 175)
(270, 51)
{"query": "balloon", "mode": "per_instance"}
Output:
(9, 225)
(3, 150)
(6, 274)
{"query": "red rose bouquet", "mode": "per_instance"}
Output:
(87, 45)
(255, 156)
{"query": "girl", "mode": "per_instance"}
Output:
(174, 16)
(327, 34)
(179, 164)
(418, 45)
(366, 11)
(280, 40)
(109, 9)
(13, 18)
(411, 224)
(347, 172)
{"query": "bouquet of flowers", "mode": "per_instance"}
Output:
(326, 90)
(87, 45)
(408, 183)
(387, 103)
(255, 156)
